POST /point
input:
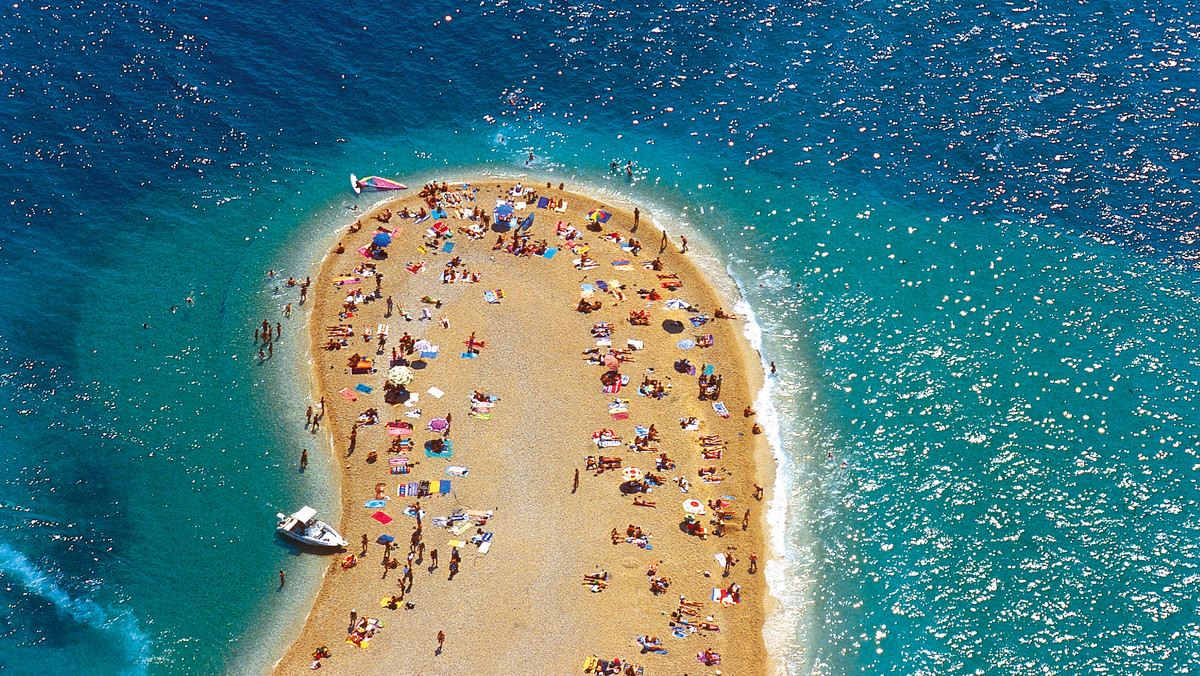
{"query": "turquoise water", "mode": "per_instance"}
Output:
(966, 233)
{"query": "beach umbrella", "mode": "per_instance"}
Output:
(382, 239)
(400, 375)
(423, 346)
(438, 424)
(504, 210)
(599, 215)
(686, 344)
(693, 506)
(632, 474)
(677, 304)
(611, 362)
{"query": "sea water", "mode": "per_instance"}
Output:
(964, 231)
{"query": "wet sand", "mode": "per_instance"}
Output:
(522, 606)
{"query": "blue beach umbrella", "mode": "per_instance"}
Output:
(382, 239)
(504, 210)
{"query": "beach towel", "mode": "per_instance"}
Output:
(543, 202)
(635, 344)
(365, 389)
(339, 281)
(485, 546)
(698, 320)
(622, 265)
(602, 285)
(686, 344)
(708, 370)
(443, 486)
(348, 393)
(720, 409)
(490, 296)
(456, 470)
(469, 355)
(550, 253)
(562, 208)
(429, 355)
(613, 389)
(437, 394)
(366, 253)
(382, 518)
(448, 247)
(414, 491)
(398, 429)
(375, 504)
(384, 539)
(447, 450)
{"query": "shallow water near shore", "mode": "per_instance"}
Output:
(964, 232)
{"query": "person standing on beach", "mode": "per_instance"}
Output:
(308, 417)
(746, 521)
(684, 249)
(278, 329)
(433, 559)
(270, 350)
(303, 460)
(636, 217)
(453, 569)
(389, 305)
(753, 562)
(576, 486)
(662, 246)
(353, 618)
(449, 419)
(281, 579)
(441, 641)
(364, 544)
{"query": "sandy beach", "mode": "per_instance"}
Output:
(526, 411)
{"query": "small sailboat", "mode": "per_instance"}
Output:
(376, 182)
(304, 527)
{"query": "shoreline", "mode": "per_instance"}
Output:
(741, 636)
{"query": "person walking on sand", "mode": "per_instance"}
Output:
(746, 521)
(364, 545)
(576, 486)
(662, 246)
(303, 460)
(308, 417)
(389, 306)
(758, 492)
(684, 249)
(753, 562)
(637, 215)
(433, 559)
(441, 642)
(449, 419)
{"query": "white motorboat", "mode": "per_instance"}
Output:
(303, 526)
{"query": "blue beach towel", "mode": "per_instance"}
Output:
(602, 285)
(447, 450)
(448, 247)
(550, 253)
(543, 202)
(384, 539)
(443, 487)
(365, 389)
(708, 369)
(469, 355)
(490, 296)
(429, 355)
(375, 504)
(587, 287)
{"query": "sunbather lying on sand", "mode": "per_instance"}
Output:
(640, 502)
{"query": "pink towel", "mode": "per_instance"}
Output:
(382, 518)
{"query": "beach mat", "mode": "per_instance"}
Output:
(382, 518)
(443, 486)
(457, 470)
(448, 247)
(469, 355)
(375, 504)
(384, 539)
(365, 389)
(543, 202)
(348, 393)
(550, 253)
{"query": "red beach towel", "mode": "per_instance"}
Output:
(382, 518)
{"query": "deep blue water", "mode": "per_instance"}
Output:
(967, 231)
